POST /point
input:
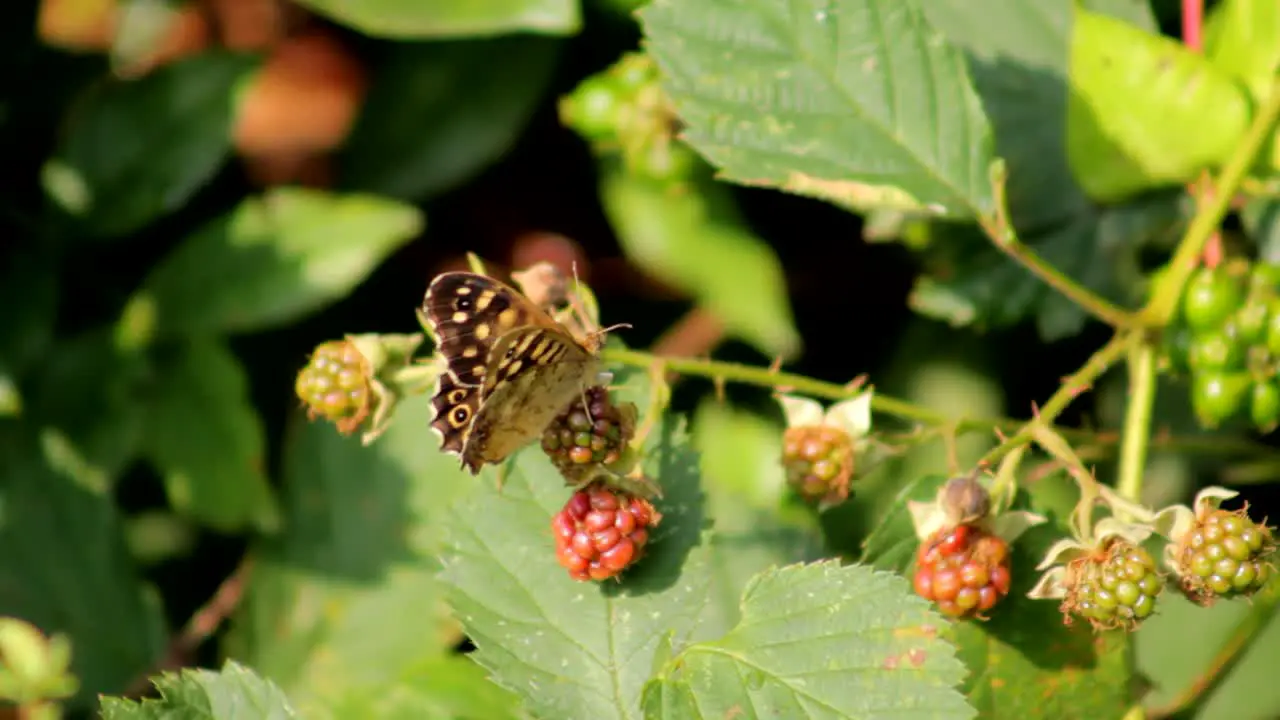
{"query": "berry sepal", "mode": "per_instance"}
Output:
(965, 501)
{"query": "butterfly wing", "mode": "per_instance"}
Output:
(537, 373)
(468, 313)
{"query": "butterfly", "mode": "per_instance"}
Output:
(510, 368)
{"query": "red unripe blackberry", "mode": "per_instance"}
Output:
(601, 532)
(819, 462)
(963, 570)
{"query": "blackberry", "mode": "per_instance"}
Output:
(963, 570)
(1224, 554)
(335, 385)
(819, 462)
(587, 434)
(1114, 587)
(601, 532)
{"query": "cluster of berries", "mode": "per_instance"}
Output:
(602, 530)
(623, 109)
(1226, 337)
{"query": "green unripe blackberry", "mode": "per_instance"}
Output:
(1115, 587)
(335, 385)
(1212, 295)
(1223, 554)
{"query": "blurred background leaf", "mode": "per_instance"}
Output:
(409, 18)
(439, 112)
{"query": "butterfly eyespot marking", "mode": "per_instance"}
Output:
(463, 302)
(458, 416)
(456, 396)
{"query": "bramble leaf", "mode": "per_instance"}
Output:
(577, 649)
(860, 103)
(1144, 111)
(270, 260)
(344, 604)
(204, 436)
(416, 19)
(63, 562)
(818, 641)
(437, 113)
(696, 241)
(113, 178)
(235, 691)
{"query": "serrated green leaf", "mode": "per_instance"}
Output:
(860, 103)
(577, 649)
(272, 259)
(344, 602)
(233, 693)
(205, 438)
(439, 112)
(416, 19)
(1144, 111)
(93, 393)
(114, 179)
(818, 641)
(1017, 54)
(696, 241)
(63, 563)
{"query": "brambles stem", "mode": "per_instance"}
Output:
(999, 228)
(1206, 220)
(1071, 388)
(765, 377)
(1137, 421)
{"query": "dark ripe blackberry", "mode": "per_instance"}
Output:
(586, 434)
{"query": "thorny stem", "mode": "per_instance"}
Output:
(1206, 221)
(903, 410)
(1137, 421)
(999, 228)
(1070, 389)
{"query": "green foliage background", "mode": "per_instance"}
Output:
(157, 304)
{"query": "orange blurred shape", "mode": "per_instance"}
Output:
(304, 99)
(77, 24)
(251, 24)
(540, 246)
